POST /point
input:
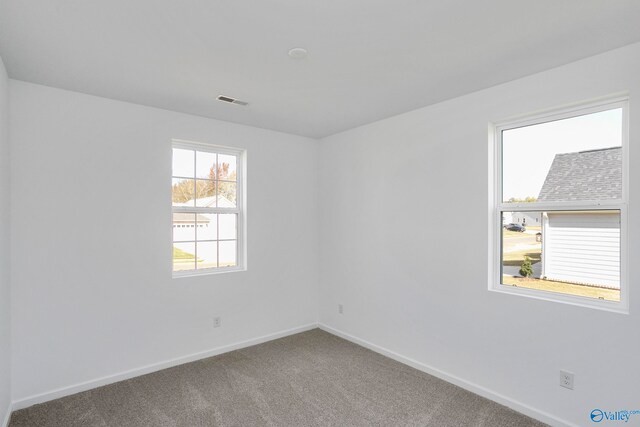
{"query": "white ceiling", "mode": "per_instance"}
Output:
(368, 59)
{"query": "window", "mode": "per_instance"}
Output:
(207, 205)
(560, 206)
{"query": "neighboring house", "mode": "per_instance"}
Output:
(184, 224)
(569, 253)
(524, 218)
(210, 202)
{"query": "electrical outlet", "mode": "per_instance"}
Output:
(566, 380)
(217, 322)
(340, 309)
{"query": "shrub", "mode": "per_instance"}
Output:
(526, 270)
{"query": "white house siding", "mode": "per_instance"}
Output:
(528, 218)
(582, 247)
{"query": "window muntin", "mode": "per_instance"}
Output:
(562, 177)
(207, 209)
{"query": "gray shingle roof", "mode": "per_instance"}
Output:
(585, 175)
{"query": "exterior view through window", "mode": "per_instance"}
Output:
(207, 208)
(563, 203)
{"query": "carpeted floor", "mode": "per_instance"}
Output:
(308, 379)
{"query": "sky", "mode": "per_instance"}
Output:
(185, 162)
(528, 152)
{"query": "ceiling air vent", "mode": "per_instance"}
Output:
(231, 100)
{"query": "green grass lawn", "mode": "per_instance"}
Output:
(563, 288)
(517, 258)
(534, 252)
(509, 233)
(179, 254)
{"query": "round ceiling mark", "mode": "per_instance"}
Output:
(298, 53)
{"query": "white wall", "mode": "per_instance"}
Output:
(413, 281)
(5, 291)
(92, 287)
(91, 280)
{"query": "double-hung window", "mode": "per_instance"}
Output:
(207, 205)
(560, 206)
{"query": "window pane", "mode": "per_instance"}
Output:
(226, 167)
(183, 162)
(183, 192)
(184, 227)
(227, 194)
(205, 165)
(227, 255)
(207, 255)
(206, 191)
(228, 226)
(569, 252)
(184, 256)
(207, 227)
(202, 182)
(578, 158)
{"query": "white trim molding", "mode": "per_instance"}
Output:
(445, 376)
(239, 210)
(497, 205)
(7, 416)
(460, 382)
(132, 373)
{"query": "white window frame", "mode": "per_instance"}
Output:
(240, 209)
(497, 206)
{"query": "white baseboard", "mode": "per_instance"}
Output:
(7, 416)
(474, 388)
(98, 382)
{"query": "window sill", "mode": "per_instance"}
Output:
(611, 306)
(207, 272)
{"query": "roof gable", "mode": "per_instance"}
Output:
(585, 175)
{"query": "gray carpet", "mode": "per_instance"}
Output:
(308, 379)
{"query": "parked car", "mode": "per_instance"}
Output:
(515, 227)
